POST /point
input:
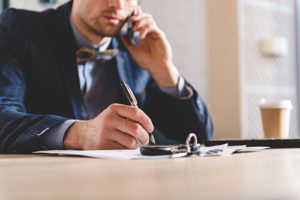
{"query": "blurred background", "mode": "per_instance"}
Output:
(234, 52)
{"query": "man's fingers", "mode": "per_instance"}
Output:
(146, 26)
(143, 33)
(132, 129)
(134, 114)
(138, 17)
(124, 139)
(142, 21)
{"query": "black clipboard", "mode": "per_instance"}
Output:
(272, 143)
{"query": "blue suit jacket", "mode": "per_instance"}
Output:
(39, 85)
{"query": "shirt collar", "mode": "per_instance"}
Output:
(81, 41)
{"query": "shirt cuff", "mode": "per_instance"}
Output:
(181, 91)
(53, 138)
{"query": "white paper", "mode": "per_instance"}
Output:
(219, 150)
(225, 150)
(105, 154)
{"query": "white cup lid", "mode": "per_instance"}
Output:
(284, 104)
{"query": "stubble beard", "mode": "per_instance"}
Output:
(98, 29)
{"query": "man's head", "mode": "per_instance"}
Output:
(102, 18)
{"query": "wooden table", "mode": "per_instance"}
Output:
(270, 174)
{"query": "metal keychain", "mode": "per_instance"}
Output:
(188, 149)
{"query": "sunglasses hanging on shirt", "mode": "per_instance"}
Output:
(86, 54)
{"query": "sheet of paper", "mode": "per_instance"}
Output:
(225, 150)
(105, 154)
(219, 150)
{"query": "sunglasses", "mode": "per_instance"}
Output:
(86, 54)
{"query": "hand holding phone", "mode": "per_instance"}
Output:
(152, 51)
(130, 25)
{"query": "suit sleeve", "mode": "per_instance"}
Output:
(19, 130)
(176, 117)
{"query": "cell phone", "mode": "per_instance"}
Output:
(129, 27)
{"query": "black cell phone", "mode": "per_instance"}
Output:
(130, 25)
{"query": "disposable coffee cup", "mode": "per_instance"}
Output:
(276, 118)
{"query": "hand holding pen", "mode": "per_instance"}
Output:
(131, 98)
(117, 127)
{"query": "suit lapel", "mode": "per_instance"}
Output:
(130, 72)
(65, 52)
(122, 61)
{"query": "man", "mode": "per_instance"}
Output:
(48, 101)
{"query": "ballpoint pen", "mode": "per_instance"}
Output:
(131, 98)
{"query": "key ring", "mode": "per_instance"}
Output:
(188, 140)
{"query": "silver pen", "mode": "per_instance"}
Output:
(131, 98)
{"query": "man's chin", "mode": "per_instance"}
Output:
(113, 30)
(108, 30)
(109, 33)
